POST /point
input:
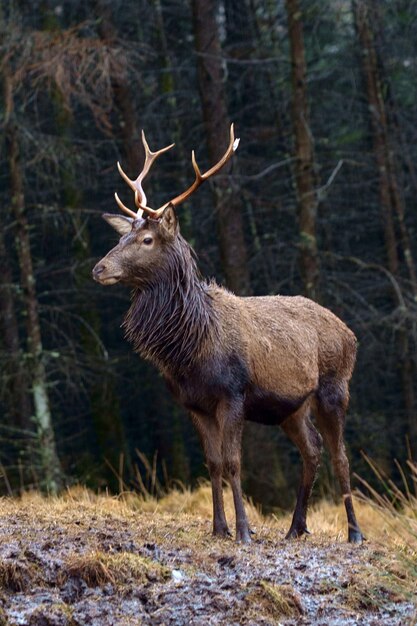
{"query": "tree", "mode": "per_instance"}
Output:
(29, 63)
(227, 204)
(50, 464)
(18, 400)
(305, 89)
(390, 201)
(304, 154)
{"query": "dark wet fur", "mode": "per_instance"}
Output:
(169, 321)
(265, 407)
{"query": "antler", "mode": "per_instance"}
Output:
(136, 185)
(199, 177)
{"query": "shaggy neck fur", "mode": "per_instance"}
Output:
(171, 319)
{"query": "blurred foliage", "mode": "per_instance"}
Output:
(84, 72)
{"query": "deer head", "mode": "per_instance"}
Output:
(148, 235)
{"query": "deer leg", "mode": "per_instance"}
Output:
(210, 432)
(302, 433)
(333, 399)
(231, 414)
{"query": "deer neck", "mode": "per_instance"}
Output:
(172, 321)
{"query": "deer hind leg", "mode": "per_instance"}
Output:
(302, 433)
(333, 398)
(230, 413)
(210, 432)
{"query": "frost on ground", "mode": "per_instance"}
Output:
(86, 559)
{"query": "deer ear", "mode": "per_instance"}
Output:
(169, 220)
(120, 223)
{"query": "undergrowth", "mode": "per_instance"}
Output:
(381, 572)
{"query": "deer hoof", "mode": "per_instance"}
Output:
(243, 535)
(221, 532)
(296, 533)
(355, 536)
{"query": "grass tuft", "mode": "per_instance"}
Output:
(3, 618)
(15, 576)
(275, 601)
(369, 593)
(396, 507)
(97, 569)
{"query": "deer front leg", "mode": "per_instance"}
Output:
(210, 432)
(230, 414)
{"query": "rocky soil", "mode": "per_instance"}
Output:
(74, 562)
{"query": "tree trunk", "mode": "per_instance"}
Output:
(246, 88)
(168, 86)
(391, 202)
(392, 130)
(228, 205)
(18, 399)
(123, 97)
(378, 118)
(304, 164)
(50, 464)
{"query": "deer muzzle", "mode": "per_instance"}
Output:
(102, 275)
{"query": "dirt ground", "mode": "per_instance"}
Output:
(85, 559)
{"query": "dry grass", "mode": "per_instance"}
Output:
(395, 505)
(97, 569)
(391, 527)
(14, 576)
(275, 601)
(3, 618)
(367, 593)
(131, 542)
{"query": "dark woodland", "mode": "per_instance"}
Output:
(319, 200)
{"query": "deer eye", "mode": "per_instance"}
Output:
(147, 240)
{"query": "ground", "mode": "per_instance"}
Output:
(87, 559)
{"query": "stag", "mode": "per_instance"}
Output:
(272, 360)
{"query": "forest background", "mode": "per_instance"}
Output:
(320, 199)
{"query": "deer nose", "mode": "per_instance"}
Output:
(99, 269)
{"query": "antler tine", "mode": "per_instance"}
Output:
(199, 177)
(126, 209)
(231, 149)
(136, 185)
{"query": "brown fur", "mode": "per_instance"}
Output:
(272, 360)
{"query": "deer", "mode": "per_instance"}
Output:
(276, 360)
